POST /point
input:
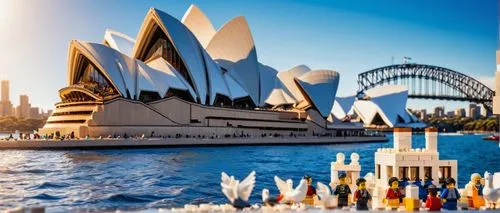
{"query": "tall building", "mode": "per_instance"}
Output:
(5, 91)
(439, 111)
(460, 112)
(5, 104)
(450, 114)
(474, 111)
(485, 113)
(23, 110)
(34, 113)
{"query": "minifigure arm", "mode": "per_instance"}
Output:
(336, 192)
(348, 190)
(356, 195)
(444, 195)
(458, 194)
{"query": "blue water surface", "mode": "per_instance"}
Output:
(172, 177)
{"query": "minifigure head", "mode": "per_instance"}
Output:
(361, 183)
(432, 190)
(394, 182)
(342, 177)
(475, 178)
(308, 179)
(450, 183)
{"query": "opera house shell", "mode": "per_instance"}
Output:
(186, 77)
(385, 106)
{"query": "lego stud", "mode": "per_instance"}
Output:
(354, 158)
(340, 157)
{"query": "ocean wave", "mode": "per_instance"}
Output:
(36, 171)
(51, 185)
(132, 198)
(44, 196)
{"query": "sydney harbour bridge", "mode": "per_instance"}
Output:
(429, 82)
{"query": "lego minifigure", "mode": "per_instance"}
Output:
(477, 191)
(343, 191)
(402, 186)
(311, 191)
(422, 192)
(433, 203)
(393, 196)
(361, 195)
(450, 195)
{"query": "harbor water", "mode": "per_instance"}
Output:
(171, 177)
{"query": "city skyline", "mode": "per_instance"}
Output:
(23, 110)
(349, 37)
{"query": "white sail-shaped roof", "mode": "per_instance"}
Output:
(279, 96)
(388, 101)
(267, 82)
(196, 21)
(392, 100)
(115, 66)
(167, 77)
(145, 80)
(288, 79)
(120, 42)
(184, 43)
(217, 83)
(319, 87)
(234, 88)
(233, 48)
(367, 110)
(272, 90)
(342, 106)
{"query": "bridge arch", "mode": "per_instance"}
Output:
(429, 82)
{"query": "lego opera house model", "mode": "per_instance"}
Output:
(184, 77)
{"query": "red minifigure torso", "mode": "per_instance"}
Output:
(393, 194)
(310, 190)
(433, 203)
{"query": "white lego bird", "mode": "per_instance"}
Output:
(327, 200)
(296, 195)
(267, 199)
(490, 194)
(238, 193)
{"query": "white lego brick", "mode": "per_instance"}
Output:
(412, 191)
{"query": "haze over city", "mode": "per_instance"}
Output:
(347, 36)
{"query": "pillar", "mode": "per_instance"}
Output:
(431, 139)
(402, 138)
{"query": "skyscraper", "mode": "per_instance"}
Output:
(474, 111)
(5, 104)
(5, 91)
(24, 107)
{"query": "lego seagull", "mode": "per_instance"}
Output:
(267, 199)
(490, 193)
(296, 195)
(238, 192)
(328, 201)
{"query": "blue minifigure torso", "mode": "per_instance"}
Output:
(451, 196)
(422, 192)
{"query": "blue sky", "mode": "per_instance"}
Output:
(349, 36)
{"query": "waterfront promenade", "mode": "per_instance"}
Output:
(176, 142)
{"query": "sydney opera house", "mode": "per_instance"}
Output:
(186, 77)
